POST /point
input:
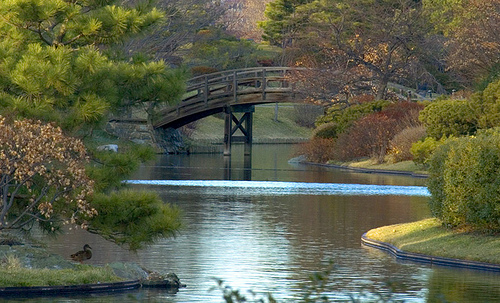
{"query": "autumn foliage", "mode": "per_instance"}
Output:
(371, 135)
(318, 150)
(42, 175)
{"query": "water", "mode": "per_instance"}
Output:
(276, 225)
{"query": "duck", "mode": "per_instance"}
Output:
(82, 255)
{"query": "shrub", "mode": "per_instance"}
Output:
(42, 176)
(318, 150)
(406, 113)
(326, 131)
(423, 150)
(449, 118)
(464, 181)
(343, 118)
(370, 135)
(400, 145)
(487, 105)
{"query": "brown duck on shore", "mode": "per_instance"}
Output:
(82, 255)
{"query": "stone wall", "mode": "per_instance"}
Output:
(136, 130)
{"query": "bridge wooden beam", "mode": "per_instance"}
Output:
(244, 124)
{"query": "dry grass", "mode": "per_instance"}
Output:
(409, 166)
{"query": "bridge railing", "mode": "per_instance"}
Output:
(214, 90)
(233, 82)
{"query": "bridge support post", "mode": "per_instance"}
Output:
(244, 124)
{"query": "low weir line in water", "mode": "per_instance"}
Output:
(294, 188)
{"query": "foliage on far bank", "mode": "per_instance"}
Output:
(464, 181)
(366, 130)
(341, 118)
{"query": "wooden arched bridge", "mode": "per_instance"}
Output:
(234, 91)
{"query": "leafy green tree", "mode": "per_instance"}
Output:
(445, 15)
(282, 22)
(73, 23)
(216, 49)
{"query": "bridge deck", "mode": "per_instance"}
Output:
(209, 94)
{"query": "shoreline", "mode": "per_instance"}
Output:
(428, 259)
(427, 241)
(57, 290)
(369, 170)
(28, 265)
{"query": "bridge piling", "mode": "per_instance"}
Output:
(244, 124)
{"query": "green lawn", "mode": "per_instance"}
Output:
(84, 274)
(265, 130)
(431, 238)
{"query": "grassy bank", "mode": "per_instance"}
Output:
(409, 166)
(82, 274)
(431, 238)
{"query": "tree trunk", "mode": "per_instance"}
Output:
(382, 89)
(150, 115)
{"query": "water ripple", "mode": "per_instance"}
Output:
(294, 188)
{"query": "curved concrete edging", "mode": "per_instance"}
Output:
(69, 289)
(421, 258)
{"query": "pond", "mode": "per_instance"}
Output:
(274, 226)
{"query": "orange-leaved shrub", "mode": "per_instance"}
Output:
(400, 145)
(42, 175)
(318, 150)
(370, 135)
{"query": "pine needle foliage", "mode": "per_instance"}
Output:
(53, 65)
(136, 217)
